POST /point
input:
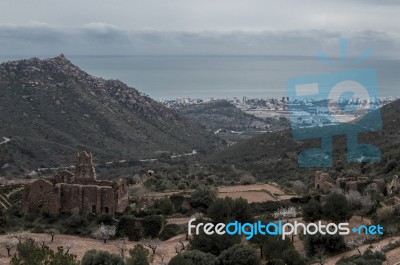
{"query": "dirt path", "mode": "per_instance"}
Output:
(6, 140)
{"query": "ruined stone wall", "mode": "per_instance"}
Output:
(121, 196)
(41, 195)
(84, 168)
(323, 181)
(76, 193)
(71, 198)
(63, 177)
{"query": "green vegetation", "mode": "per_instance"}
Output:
(31, 253)
(368, 258)
(330, 244)
(239, 255)
(228, 209)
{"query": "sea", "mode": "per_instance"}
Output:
(165, 77)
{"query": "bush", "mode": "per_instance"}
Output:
(384, 214)
(247, 180)
(138, 228)
(214, 243)
(29, 252)
(170, 231)
(139, 255)
(368, 258)
(165, 206)
(105, 218)
(390, 165)
(197, 257)
(328, 243)
(180, 260)
(312, 211)
(95, 257)
(239, 255)
(336, 208)
(227, 209)
(203, 197)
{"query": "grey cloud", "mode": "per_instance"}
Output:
(38, 39)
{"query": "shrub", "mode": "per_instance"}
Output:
(180, 260)
(368, 258)
(202, 197)
(95, 257)
(170, 231)
(312, 211)
(200, 258)
(214, 243)
(239, 255)
(29, 252)
(139, 255)
(336, 208)
(247, 180)
(328, 243)
(385, 213)
(165, 206)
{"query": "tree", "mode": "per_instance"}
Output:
(390, 165)
(9, 244)
(180, 260)
(139, 255)
(239, 255)
(368, 258)
(327, 243)
(285, 213)
(291, 257)
(52, 232)
(96, 257)
(227, 209)
(336, 208)
(152, 243)
(274, 247)
(202, 197)
(197, 257)
(214, 243)
(312, 211)
(29, 252)
(104, 232)
(242, 211)
(220, 210)
(122, 246)
(165, 206)
(299, 187)
(360, 204)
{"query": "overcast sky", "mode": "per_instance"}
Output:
(49, 27)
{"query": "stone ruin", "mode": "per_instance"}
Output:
(78, 192)
(323, 182)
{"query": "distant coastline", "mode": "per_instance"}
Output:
(169, 77)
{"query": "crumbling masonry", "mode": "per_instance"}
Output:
(78, 192)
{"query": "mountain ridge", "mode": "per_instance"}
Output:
(51, 108)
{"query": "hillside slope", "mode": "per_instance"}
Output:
(51, 108)
(224, 115)
(273, 156)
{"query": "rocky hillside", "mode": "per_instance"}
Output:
(273, 156)
(49, 109)
(224, 115)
